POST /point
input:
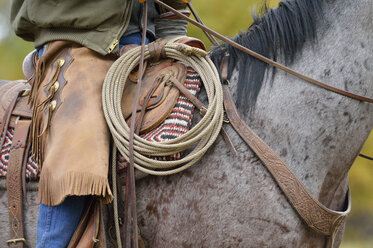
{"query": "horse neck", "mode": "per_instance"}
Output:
(316, 132)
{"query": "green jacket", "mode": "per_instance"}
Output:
(96, 24)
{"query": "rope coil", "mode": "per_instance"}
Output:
(201, 136)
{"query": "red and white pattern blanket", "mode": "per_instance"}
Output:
(176, 124)
(32, 172)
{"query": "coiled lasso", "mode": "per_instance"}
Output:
(202, 135)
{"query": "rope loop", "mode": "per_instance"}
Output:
(197, 140)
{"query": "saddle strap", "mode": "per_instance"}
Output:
(6, 119)
(14, 185)
(90, 231)
(315, 214)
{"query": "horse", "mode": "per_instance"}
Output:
(229, 200)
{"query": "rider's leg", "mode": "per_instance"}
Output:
(56, 224)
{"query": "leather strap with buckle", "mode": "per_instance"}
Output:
(17, 156)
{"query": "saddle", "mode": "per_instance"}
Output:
(158, 95)
(15, 113)
(13, 105)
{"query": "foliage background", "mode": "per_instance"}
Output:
(228, 18)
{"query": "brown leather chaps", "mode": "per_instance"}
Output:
(69, 134)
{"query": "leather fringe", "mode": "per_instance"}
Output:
(35, 82)
(72, 183)
(42, 113)
(42, 96)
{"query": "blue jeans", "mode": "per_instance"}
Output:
(56, 224)
(135, 38)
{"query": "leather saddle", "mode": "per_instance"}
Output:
(158, 95)
(14, 92)
(15, 113)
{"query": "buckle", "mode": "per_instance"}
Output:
(225, 118)
(227, 82)
(203, 110)
(14, 241)
(17, 119)
(26, 92)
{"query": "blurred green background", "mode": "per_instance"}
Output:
(227, 19)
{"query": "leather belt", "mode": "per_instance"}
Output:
(17, 159)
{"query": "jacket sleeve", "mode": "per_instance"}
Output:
(21, 24)
(176, 4)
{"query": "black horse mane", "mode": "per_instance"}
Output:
(280, 31)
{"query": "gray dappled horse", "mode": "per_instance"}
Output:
(232, 201)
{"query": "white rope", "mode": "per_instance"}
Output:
(201, 136)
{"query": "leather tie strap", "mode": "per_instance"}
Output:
(14, 185)
(316, 215)
(130, 198)
(208, 35)
(366, 156)
(202, 110)
(156, 50)
(188, 95)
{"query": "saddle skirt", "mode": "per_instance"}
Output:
(157, 95)
(8, 92)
